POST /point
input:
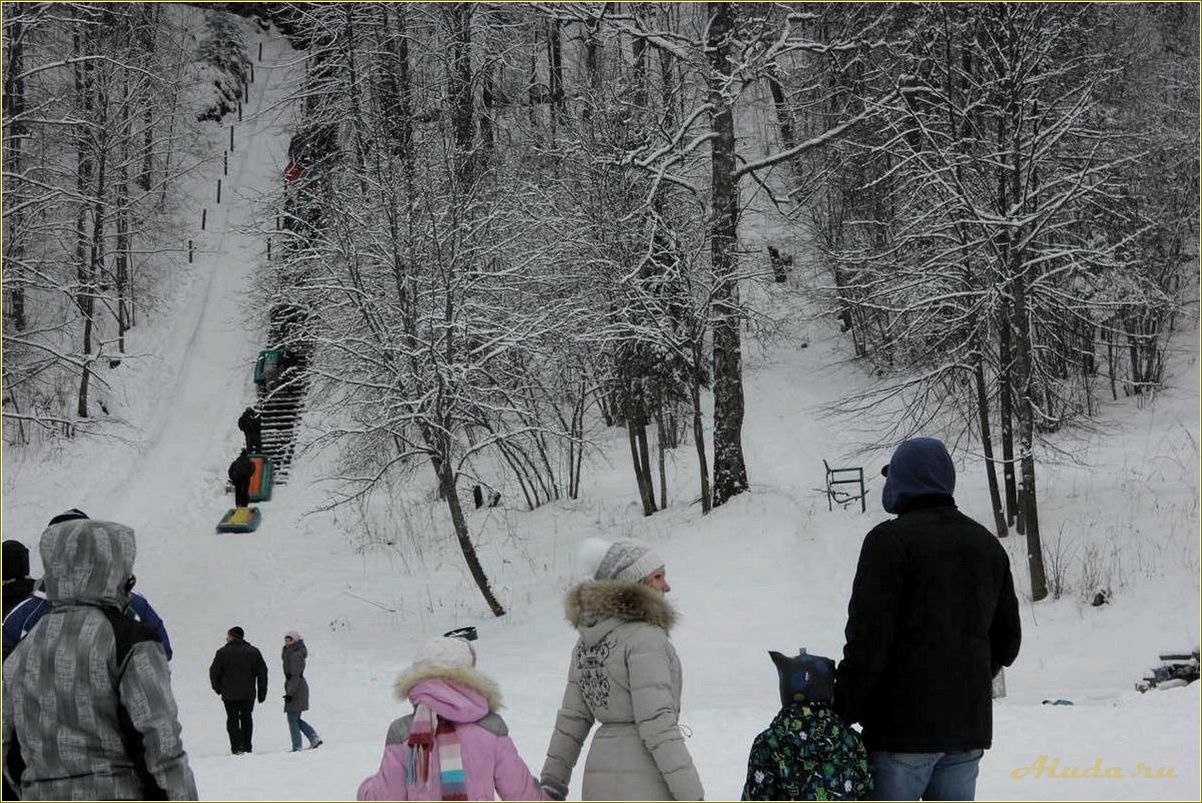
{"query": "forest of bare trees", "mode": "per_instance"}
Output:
(514, 226)
(93, 130)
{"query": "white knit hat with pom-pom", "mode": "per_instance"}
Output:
(445, 652)
(625, 559)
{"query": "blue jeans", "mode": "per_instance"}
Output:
(925, 776)
(297, 726)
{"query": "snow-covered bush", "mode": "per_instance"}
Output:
(224, 62)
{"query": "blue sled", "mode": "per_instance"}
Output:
(240, 520)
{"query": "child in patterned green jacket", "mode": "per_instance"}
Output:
(808, 752)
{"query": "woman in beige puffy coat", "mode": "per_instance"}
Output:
(624, 674)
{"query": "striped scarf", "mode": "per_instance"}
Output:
(427, 732)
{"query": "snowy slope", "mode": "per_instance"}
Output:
(770, 570)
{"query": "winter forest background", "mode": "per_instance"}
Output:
(639, 268)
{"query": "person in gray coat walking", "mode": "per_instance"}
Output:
(296, 690)
(624, 673)
(88, 708)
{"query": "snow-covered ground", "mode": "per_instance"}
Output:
(770, 570)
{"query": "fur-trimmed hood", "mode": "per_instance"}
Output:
(468, 681)
(597, 606)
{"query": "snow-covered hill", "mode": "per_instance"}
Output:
(770, 570)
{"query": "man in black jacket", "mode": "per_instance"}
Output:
(239, 674)
(252, 427)
(17, 583)
(932, 619)
(240, 472)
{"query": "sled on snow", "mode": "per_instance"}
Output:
(240, 520)
(267, 366)
(1176, 669)
(261, 480)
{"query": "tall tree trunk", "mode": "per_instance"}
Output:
(121, 259)
(459, 17)
(639, 68)
(85, 264)
(353, 92)
(555, 70)
(580, 447)
(645, 461)
(1005, 356)
(14, 110)
(488, 96)
(1026, 437)
(659, 449)
(592, 67)
(639, 477)
(784, 115)
(148, 30)
(995, 499)
(698, 430)
(730, 471)
(1024, 358)
(446, 484)
(404, 77)
(667, 77)
(576, 440)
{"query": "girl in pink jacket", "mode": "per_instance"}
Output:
(452, 747)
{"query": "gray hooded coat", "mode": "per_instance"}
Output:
(87, 695)
(624, 674)
(296, 688)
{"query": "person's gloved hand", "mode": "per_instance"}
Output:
(287, 698)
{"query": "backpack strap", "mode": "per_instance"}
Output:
(128, 634)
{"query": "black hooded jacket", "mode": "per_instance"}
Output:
(17, 583)
(932, 618)
(242, 469)
(250, 423)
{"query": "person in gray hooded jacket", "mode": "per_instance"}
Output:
(296, 690)
(625, 674)
(88, 708)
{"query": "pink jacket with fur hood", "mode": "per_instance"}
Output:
(491, 762)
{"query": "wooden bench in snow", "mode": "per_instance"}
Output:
(844, 476)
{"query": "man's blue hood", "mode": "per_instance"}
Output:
(920, 467)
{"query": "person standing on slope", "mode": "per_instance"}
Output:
(625, 674)
(239, 674)
(932, 619)
(252, 427)
(240, 472)
(88, 708)
(296, 690)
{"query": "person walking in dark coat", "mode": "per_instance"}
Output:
(252, 427)
(17, 583)
(239, 674)
(241, 470)
(932, 618)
